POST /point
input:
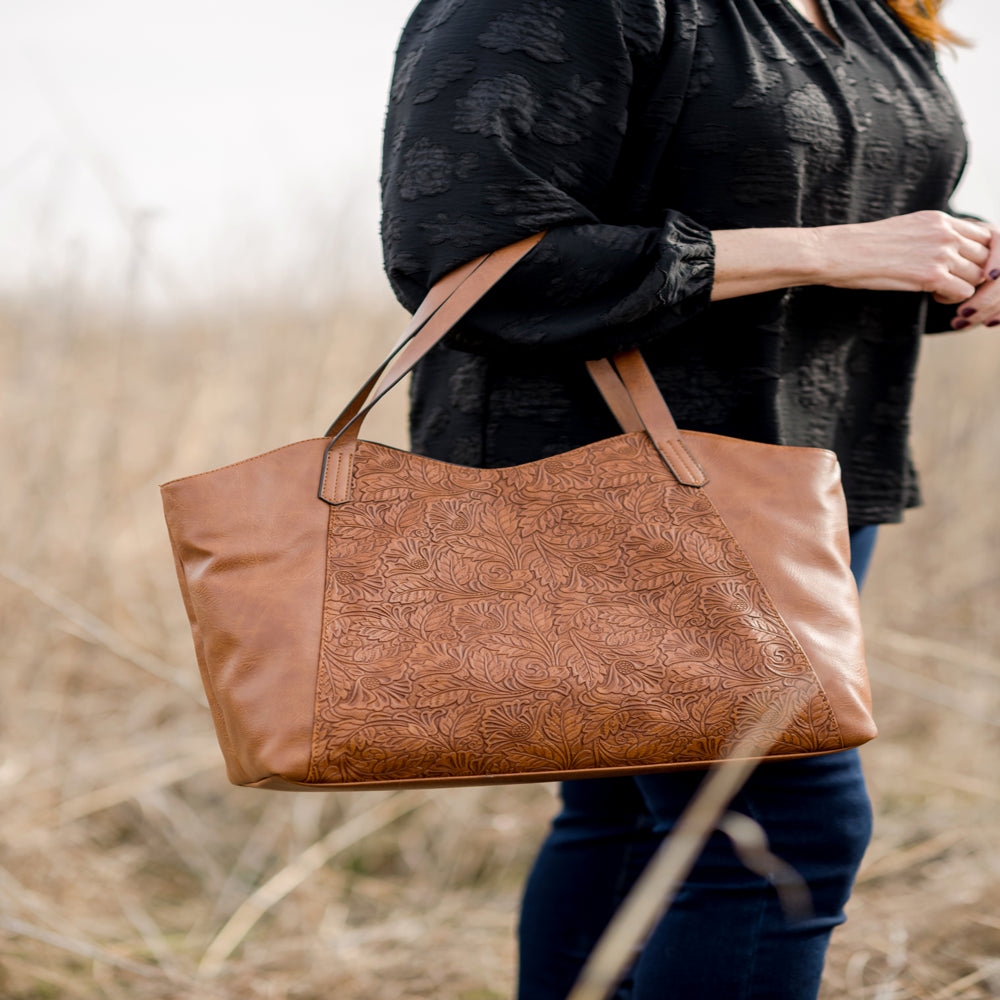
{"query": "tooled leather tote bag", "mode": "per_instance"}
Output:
(364, 617)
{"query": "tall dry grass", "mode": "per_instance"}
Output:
(130, 869)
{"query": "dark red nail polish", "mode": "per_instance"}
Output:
(994, 322)
(995, 273)
(967, 311)
(960, 324)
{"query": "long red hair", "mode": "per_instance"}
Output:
(921, 17)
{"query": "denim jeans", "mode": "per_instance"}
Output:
(726, 936)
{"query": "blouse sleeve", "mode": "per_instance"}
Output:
(507, 117)
(938, 316)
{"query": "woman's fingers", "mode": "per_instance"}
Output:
(973, 229)
(968, 261)
(983, 306)
(974, 251)
(950, 288)
(970, 271)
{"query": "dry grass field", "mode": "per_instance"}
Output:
(129, 868)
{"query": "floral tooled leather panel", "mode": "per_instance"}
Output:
(581, 611)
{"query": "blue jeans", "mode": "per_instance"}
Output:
(725, 937)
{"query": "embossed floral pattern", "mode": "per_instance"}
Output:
(430, 169)
(810, 119)
(542, 618)
(498, 107)
(533, 29)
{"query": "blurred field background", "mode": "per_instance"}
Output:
(130, 869)
(137, 344)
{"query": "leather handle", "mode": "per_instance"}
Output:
(441, 293)
(624, 382)
(447, 302)
(615, 395)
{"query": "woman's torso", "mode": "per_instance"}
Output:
(743, 115)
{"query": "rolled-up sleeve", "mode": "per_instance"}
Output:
(507, 117)
(938, 316)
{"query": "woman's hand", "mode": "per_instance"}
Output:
(921, 252)
(984, 306)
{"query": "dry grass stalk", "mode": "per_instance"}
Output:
(75, 946)
(143, 781)
(654, 891)
(276, 888)
(963, 782)
(47, 978)
(945, 652)
(937, 692)
(92, 627)
(899, 859)
(656, 887)
(957, 988)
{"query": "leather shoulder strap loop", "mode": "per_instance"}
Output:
(657, 419)
(442, 291)
(447, 302)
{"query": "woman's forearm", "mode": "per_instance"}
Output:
(748, 261)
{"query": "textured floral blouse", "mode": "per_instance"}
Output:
(630, 129)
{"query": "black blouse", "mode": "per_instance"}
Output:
(630, 129)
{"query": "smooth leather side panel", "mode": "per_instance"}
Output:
(786, 507)
(257, 642)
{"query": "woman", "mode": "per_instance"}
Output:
(755, 192)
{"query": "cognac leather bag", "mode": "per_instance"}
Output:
(364, 617)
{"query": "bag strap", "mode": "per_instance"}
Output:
(611, 387)
(445, 304)
(624, 382)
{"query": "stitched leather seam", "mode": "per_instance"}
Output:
(514, 777)
(341, 478)
(326, 474)
(338, 494)
(236, 465)
(345, 469)
(317, 690)
(691, 472)
(697, 472)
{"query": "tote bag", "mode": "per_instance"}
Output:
(364, 617)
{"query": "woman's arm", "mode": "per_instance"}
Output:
(934, 252)
(509, 118)
(504, 121)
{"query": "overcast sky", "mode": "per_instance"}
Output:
(237, 141)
